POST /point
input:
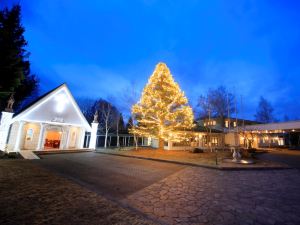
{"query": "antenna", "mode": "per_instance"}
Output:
(242, 112)
(228, 111)
(236, 122)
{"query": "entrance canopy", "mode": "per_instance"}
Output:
(55, 107)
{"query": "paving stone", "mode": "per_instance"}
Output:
(204, 196)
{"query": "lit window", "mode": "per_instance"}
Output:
(226, 124)
(214, 122)
(214, 141)
(204, 124)
(280, 141)
(234, 124)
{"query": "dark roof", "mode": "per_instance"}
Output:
(36, 100)
(199, 128)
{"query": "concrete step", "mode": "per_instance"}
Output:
(59, 151)
(27, 154)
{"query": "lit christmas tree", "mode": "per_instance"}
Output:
(163, 111)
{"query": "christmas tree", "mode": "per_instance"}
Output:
(163, 111)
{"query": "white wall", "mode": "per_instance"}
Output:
(31, 144)
(154, 143)
(12, 136)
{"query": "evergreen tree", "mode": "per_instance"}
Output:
(14, 64)
(285, 118)
(163, 111)
(87, 107)
(264, 112)
(121, 123)
(129, 124)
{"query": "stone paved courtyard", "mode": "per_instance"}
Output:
(205, 196)
(78, 188)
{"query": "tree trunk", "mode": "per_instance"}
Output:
(105, 140)
(135, 141)
(118, 141)
(161, 144)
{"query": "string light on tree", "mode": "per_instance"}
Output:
(163, 111)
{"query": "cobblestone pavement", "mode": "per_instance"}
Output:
(31, 195)
(203, 196)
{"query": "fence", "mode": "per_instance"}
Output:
(125, 140)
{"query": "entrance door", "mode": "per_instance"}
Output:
(53, 139)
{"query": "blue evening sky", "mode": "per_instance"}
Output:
(100, 47)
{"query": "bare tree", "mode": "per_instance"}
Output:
(119, 127)
(218, 101)
(108, 117)
(119, 119)
(130, 97)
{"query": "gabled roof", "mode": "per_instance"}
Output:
(57, 106)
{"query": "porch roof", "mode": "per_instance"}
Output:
(284, 126)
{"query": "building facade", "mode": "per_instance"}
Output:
(224, 124)
(54, 121)
(271, 135)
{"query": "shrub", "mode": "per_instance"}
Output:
(248, 153)
(197, 150)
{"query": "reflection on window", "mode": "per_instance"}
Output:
(29, 134)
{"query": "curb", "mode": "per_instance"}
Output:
(60, 152)
(196, 165)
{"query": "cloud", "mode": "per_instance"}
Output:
(99, 47)
(245, 80)
(90, 80)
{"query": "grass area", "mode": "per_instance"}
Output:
(206, 158)
(32, 195)
(11, 155)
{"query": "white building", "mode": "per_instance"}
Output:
(270, 135)
(54, 121)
